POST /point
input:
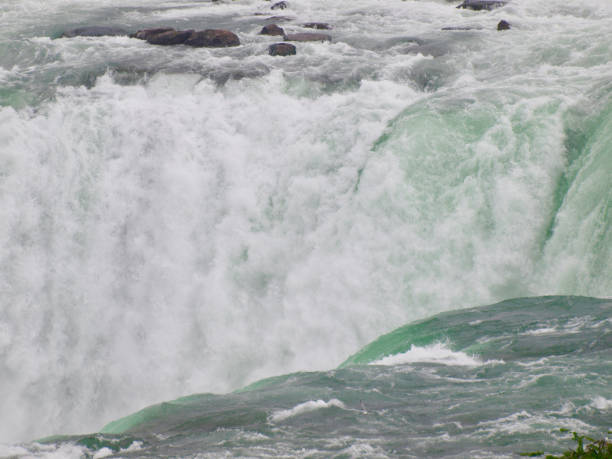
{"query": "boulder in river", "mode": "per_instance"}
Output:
(213, 38)
(482, 4)
(146, 33)
(308, 37)
(172, 37)
(279, 6)
(94, 31)
(272, 29)
(503, 25)
(281, 49)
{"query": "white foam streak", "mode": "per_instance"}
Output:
(434, 353)
(306, 407)
(40, 451)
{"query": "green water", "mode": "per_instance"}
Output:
(488, 381)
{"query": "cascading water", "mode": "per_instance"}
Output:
(177, 221)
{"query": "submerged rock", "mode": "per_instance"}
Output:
(281, 49)
(317, 25)
(146, 33)
(482, 4)
(213, 38)
(172, 37)
(94, 31)
(279, 6)
(279, 18)
(308, 37)
(272, 29)
(503, 25)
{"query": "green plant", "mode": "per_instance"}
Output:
(595, 449)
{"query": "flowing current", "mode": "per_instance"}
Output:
(177, 220)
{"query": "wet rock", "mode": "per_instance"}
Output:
(213, 38)
(172, 37)
(279, 6)
(503, 25)
(482, 4)
(281, 49)
(308, 37)
(146, 33)
(317, 25)
(272, 29)
(94, 31)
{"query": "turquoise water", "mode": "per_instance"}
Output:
(179, 221)
(490, 381)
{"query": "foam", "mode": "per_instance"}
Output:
(40, 451)
(306, 407)
(602, 403)
(434, 353)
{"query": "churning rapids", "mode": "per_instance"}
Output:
(179, 220)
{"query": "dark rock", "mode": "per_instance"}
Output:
(482, 4)
(503, 25)
(272, 29)
(172, 37)
(281, 49)
(213, 38)
(279, 6)
(146, 33)
(308, 37)
(94, 31)
(317, 25)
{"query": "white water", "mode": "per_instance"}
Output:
(436, 353)
(172, 236)
(306, 407)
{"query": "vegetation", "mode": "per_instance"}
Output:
(594, 449)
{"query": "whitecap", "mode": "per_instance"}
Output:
(306, 407)
(601, 403)
(433, 353)
(103, 453)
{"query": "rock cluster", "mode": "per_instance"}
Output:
(218, 38)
